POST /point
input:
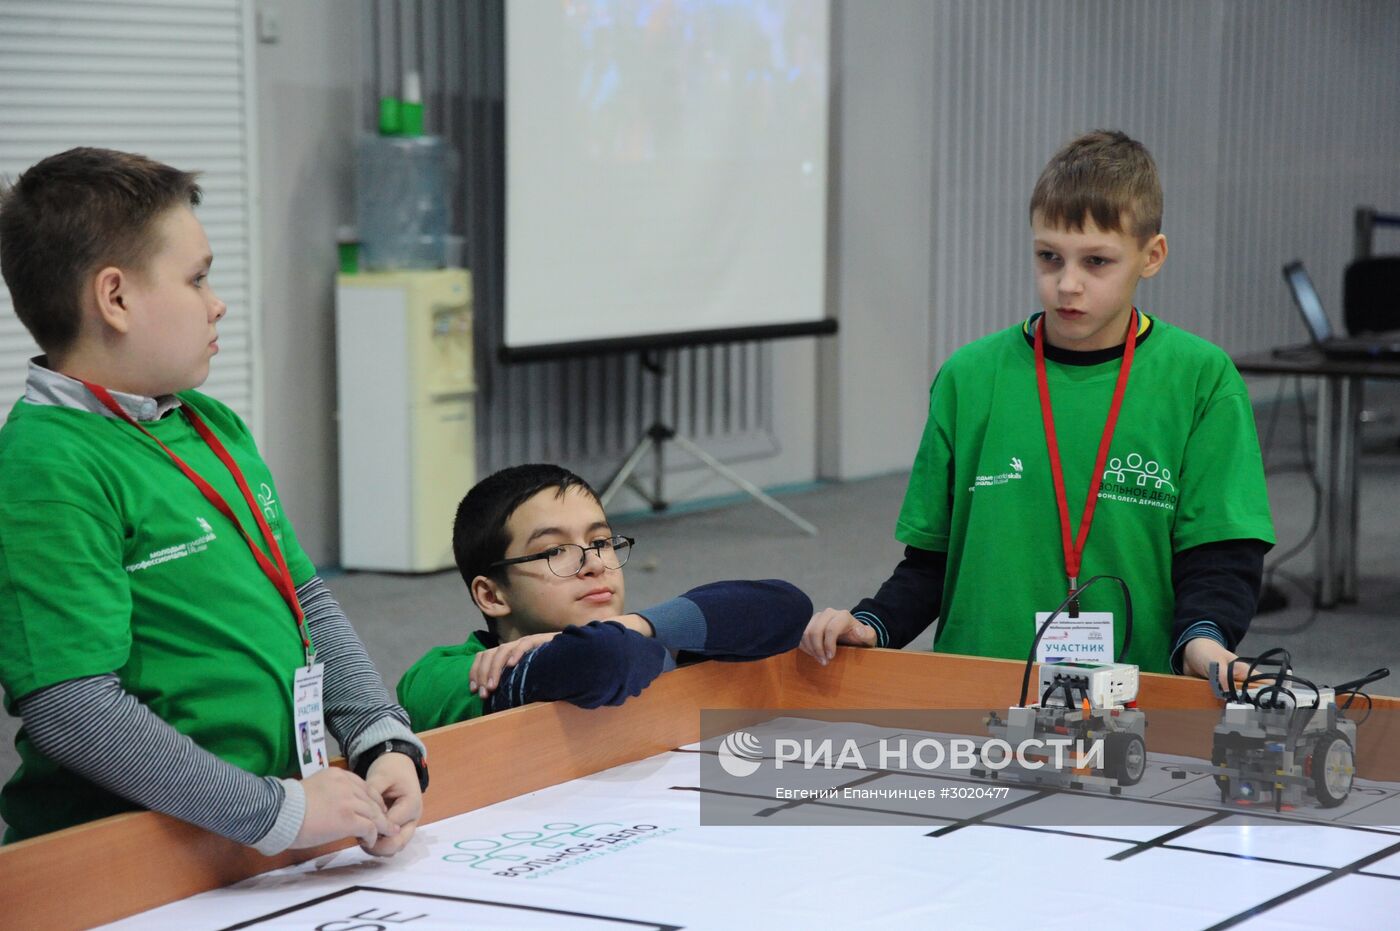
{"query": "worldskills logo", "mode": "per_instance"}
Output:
(1012, 474)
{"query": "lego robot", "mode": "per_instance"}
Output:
(1090, 706)
(1282, 739)
(1082, 705)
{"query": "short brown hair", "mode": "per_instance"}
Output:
(71, 214)
(1103, 174)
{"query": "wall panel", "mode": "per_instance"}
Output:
(167, 79)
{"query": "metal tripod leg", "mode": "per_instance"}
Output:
(744, 484)
(624, 473)
(654, 441)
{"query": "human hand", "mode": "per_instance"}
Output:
(834, 626)
(1200, 652)
(340, 804)
(490, 665)
(394, 779)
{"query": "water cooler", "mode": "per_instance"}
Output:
(407, 420)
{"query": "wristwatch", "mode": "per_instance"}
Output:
(410, 750)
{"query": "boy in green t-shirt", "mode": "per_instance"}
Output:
(163, 638)
(544, 566)
(1091, 439)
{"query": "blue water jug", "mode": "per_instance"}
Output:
(402, 201)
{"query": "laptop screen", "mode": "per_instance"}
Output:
(1309, 304)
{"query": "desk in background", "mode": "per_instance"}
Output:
(1338, 424)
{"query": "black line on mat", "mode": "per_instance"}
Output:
(450, 898)
(991, 813)
(1354, 867)
(1170, 836)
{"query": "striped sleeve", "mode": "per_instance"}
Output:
(100, 731)
(97, 729)
(359, 711)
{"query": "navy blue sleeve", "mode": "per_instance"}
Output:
(734, 620)
(602, 663)
(909, 601)
(1217, 591)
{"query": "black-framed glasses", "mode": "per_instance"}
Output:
(568, 559)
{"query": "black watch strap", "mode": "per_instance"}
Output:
(407, 748)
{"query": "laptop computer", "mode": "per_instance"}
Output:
(1371, 346)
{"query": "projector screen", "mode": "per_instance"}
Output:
(666, 173)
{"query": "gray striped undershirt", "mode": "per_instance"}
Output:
(97, 729)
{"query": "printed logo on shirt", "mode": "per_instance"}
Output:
(268, 502)
(1001, 478)
(179, 551)
(1137, 479)
(269, 509)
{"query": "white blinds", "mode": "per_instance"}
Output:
(166, 78)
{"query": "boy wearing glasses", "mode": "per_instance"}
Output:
(544, 567)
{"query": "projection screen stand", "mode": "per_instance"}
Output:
(654, 440)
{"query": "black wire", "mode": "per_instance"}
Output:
(1283, 679)
(1309, 592)
(1062, 687)
(1353, 685)
(1278, 656)
(1271, 695)
(1276, 702)
(1273, 417)
(1353, 688)
(1310, 470)
(1231, 694)
(1072, 597)
(1285, 664)
(1308, 683)
(1355, 694)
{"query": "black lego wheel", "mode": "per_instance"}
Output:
(1333, 766)
(1125, 757)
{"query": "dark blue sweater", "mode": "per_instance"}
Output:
(604, 663)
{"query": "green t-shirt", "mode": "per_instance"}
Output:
(434, 692)
(112, 561)
(1184, 469)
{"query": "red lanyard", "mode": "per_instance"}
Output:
(1074, 551)
(278, 575)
